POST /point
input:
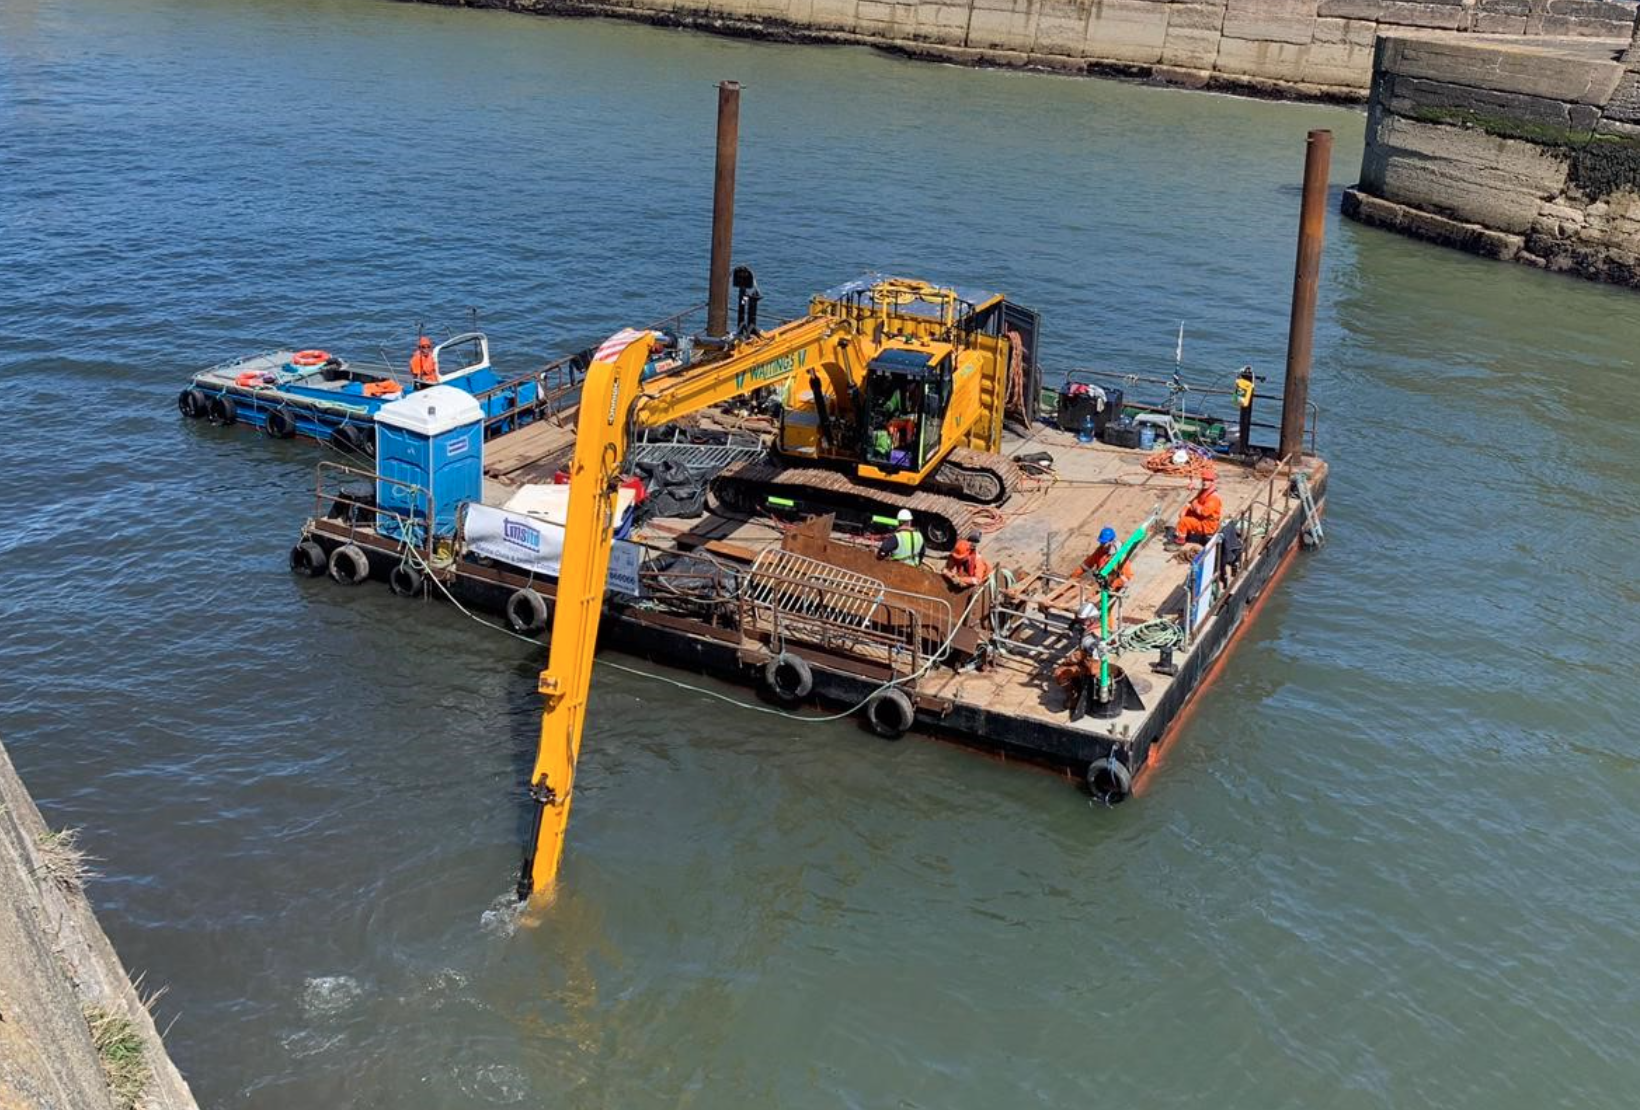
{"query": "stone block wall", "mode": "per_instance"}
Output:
(1320, 49)
(1520, 151)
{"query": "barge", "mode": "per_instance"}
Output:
(729, 595)
(768, 585)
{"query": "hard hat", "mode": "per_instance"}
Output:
(1107, 535)
(972, 538)
(903, 516)
(963, 548)
(424, 342)
(1088, 611)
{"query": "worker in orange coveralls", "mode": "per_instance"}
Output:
(964, 567)
(1201, 518)
(423, 366)
(1107, 549)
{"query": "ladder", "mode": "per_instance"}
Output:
(1313, 535)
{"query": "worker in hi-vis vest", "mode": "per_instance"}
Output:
(904, 544)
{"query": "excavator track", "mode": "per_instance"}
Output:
(978, 476)
(807, 490)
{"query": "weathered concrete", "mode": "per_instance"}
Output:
(1312, 49)
(54, 962)
(1528, 151)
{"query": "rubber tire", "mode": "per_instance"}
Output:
(889, 714)
(405, 581)
(349, 565)
(223, 411)
(350, 439)
(1109, 780)
(192, 403)
(782, 666)
(527, 612)
(939, 535)
(307, 558)
(281, 424)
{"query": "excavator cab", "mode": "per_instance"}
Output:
(907, 390)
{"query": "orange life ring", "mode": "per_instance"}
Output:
(251, 378)
(310, 358)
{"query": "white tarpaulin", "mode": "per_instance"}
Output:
(529, 533)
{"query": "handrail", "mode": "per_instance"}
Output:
(409, 526)
(1312, 413)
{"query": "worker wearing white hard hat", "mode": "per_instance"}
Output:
(905, 543)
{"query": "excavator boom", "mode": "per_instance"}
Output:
(614, 400)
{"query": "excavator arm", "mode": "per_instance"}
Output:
(614, 401)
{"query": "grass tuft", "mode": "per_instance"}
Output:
(63, 861)
(122, 1052)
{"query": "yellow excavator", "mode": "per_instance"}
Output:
(892, 394)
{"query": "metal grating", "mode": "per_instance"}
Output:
(702, 460)
(799, 586)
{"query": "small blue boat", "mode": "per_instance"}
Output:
(290, 392)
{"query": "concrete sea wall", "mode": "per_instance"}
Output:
(68, 1011)
(1316, 49)
(1521, 151)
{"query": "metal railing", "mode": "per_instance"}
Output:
(361, 512)
(787, 597)
(1312, 412)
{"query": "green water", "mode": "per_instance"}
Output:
(1389, 863)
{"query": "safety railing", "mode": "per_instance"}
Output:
(1166, 386)
(352, 511)
(789, 597)
(1036, 619)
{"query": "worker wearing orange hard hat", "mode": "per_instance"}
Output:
(964, 566)
(1200, 520)
(423, 364)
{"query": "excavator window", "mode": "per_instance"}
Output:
(906, 394)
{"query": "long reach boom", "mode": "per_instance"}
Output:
(614, 401)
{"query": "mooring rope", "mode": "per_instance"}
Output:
(413, 557)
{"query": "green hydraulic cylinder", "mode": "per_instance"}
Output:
(1111, 564)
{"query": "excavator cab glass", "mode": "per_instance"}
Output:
(906, 392)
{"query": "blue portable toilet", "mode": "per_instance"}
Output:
(432, 439)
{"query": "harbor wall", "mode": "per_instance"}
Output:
(1312, 49)
(58, 975)
(1529, 153)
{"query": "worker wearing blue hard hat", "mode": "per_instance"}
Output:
(1119, 576)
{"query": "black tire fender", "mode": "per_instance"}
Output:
(405, 580)
(281, 424)
(789, 677)
(223, 411)
(307, 558)
(1109, 780)
(192, 403)
(527, 612)
(353, 439)
(890, 714)
(349, 565)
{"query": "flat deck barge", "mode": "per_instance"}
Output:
(738, 596)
